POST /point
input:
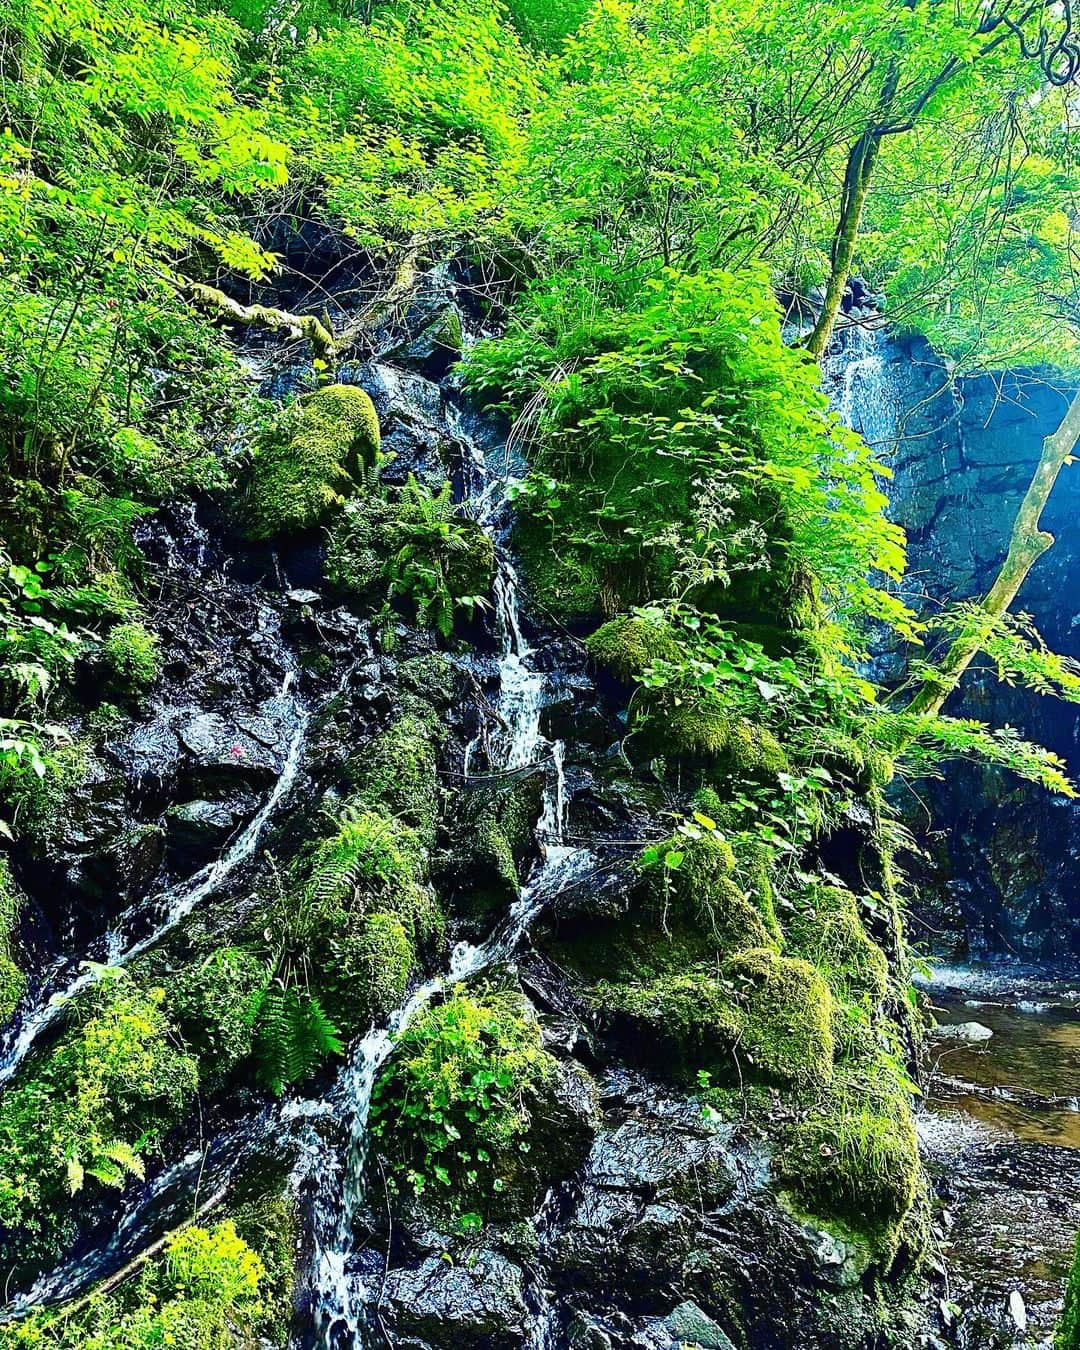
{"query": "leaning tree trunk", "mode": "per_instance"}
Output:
(1026, 546)
(860, 169)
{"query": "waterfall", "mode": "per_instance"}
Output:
(342, 1298)
(861, 386)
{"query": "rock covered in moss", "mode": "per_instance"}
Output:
(397, 770)
(628, 645)
(316, 454)
(826, 929)
(855, 1155)
(787, 1013)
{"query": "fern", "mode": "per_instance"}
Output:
(293, 1036)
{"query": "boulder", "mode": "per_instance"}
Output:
(475, 1304)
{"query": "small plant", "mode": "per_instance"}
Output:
(131, 653)
(293, 1036)
(455, 1106)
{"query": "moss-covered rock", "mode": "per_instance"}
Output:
(314, 456)
(493, 844)
(825, 928)
(628, 645)
(689, 1019)
(702, 887)
(855, 1157)
(787, 1015)
(131, 656)
(397, 770)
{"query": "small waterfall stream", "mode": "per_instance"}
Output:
(122, 943)
(342, 1298)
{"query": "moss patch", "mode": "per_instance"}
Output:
(310, 460)
(627, 646)
(825, 928)
(397, 770)
(787, 1017)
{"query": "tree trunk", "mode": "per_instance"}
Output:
(1026, 546)
(860, 168)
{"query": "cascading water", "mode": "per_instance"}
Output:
(342, 1298)
(122, 943)
(860, 386)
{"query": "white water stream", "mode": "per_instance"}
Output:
(173, 905)
(342, 1299)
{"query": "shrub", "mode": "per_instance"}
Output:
(418, 548)
(203, 1293)
(455, 1106)
(315, 455)
(95, 1103)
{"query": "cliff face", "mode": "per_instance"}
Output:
(999, 875)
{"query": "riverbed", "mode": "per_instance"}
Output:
(1000, 1134)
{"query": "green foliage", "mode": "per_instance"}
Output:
(293, 1036)
(204, 1292)
(94, 1104)
(455, 1106)
(12, 978)
(131, 654)
(319, 451)
(215, 1004)
(1067, 1336)
(419, 548)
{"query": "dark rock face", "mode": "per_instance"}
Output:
(1003, 853)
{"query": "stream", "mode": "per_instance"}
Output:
(1000, 1134)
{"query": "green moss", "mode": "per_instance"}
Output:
(130, 653)
(825, 928)
(787, 1017)
(270, 1226)
(359, 916)
(627, 646)
(493, 841)
(316, 454)
(214, 1004)
(40, 806)
(12, 979)
(855, 1157)
(688, 1015)
(397, 770)
(700, 888)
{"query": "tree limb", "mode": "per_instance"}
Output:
(1027, 544)
(296, 325)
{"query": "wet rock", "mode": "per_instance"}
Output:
(225, 750)
(435, 348)
(686, 1326)
(197, 830)
(665, 1159)
(475, 1304)
(971, 1033)
(416, 436)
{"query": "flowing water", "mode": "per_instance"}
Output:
(343, 1298)
(1000, 1135)
(148, 921)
